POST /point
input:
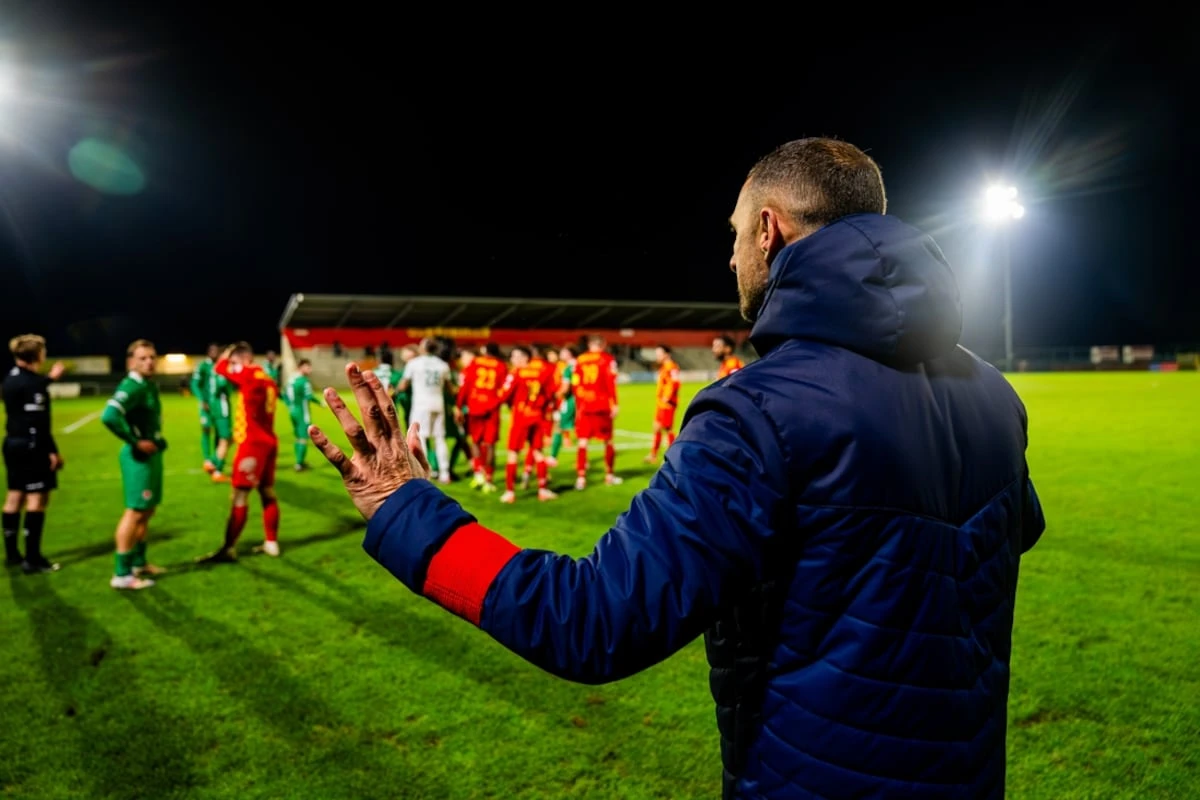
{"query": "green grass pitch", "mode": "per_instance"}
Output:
(318, 675)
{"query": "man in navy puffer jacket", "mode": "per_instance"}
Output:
(843, 519)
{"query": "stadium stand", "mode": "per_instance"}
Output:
(331, 329)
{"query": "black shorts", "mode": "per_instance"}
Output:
(28, 468)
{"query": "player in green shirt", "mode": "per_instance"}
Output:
(272, 367)
(202, 387)
(222, 419)
(404, 398)
(565, 416)
(386, 373)
(134, 414)
(298, 396)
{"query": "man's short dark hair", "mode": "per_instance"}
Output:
(241, 348)
(491, 349)
(727, 339)
(819, 180)
(572, 349)
(665, 348)
(387, 358)
(522, 349)
(302, 362)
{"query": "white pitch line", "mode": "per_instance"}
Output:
(79, 423)
(634, 434)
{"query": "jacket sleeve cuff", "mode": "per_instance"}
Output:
(464, 569)
(410, 527)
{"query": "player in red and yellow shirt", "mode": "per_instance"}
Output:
(256, 449)
(666, 400)
(540, 358)
(479, 391)
(723, 351)
(594, 385)
(530, 391)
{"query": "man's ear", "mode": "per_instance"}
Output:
(777, 230)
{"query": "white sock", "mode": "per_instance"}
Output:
(443, 456)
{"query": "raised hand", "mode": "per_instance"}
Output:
(382, 461)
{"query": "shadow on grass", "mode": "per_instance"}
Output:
(126, 747)
(564, 483)
(87, 552)
(331, 502)
(325, 743)
(310, 498)
(444, 641)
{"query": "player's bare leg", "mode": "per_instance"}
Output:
(126, 540)
(510, 478)
(142, 567)
(540, 464)
(222, 451)
(581, 463)
(234, 526)
(658, 432)
(270, 505)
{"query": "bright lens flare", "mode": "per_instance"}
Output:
(1000, 204)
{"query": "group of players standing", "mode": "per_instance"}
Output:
(244, 419)
(551, 394)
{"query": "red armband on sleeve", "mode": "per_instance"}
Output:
(461, 573)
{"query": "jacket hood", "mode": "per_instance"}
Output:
(867, 282)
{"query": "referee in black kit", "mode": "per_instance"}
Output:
(31, 457)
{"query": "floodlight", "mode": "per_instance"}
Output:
(1000, 204)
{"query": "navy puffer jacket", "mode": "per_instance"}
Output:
(843, 519)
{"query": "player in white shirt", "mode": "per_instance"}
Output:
(427, 377)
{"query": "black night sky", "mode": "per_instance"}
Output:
(377, 154)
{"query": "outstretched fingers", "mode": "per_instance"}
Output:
(354, 431)
(372, 413)
(388, 408)
(331, 451)
(417, 449)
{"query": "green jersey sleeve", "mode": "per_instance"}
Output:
(299, 393)
(385, 374)
(200, 380)
(126, 400)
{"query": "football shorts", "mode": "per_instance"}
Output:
(254, 465)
